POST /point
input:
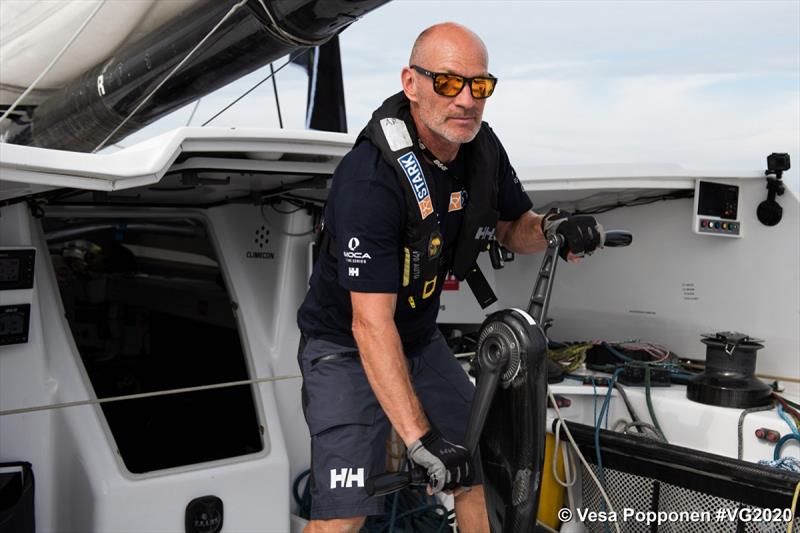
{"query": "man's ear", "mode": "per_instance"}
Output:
(409, 82)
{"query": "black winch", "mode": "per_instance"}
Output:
(729, 378)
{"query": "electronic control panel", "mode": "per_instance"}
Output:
(16, 294)
(16, 268)
(716, 209)
(14, 323)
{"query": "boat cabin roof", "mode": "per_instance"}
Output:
(205, 165)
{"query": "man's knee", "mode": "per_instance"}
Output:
(335, 525)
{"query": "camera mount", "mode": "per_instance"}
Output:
(769, 211)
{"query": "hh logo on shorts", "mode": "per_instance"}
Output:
(346, 477)
(410, 165)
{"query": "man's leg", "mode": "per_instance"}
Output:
(471, 511)
(336, 525)
(348, 437)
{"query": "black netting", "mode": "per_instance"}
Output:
(643, 494)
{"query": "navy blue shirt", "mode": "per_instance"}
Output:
(366, 215)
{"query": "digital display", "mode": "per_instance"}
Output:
(718, 200)
(12, 324)
(9, 269)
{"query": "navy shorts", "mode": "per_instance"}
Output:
(349, 429)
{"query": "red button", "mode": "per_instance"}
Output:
(450, 284)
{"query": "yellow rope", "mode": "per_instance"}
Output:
(571, 357)
(794, 504)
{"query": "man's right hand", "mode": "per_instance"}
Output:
(448, 465)
(582, 233)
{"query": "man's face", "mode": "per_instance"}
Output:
(456, 119)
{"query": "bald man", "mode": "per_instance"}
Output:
(425, 189)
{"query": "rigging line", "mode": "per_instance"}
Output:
(194, 110)
(312, 86)
(141, 395)
(568, 472)
(793, 507)
(254, 87)
(172, 72)
(54, 60)
(740, 426)
(275, 90)
(580, 455)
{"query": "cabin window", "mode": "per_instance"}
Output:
(149, 311)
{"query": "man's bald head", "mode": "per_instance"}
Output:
(444, 38)
(445, 122)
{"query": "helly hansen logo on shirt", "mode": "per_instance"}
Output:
(413, 170)
(484, 232)
(346, 477)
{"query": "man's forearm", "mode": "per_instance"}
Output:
(387, 371)
(524, 235)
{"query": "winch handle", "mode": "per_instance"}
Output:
(390, 482)
(543, 286)
(617, 237)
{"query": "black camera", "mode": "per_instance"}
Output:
(769, 212)
(778, 162)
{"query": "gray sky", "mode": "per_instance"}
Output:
(707, 85)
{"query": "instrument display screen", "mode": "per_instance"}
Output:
(718, 200)
(17, 268)
(9, 269)
(14, 323)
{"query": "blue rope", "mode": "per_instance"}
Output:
(776, 454)
(616, 353)
(304, 501)
(792, 464)
(785, 417)
(594, 395)
(604, 410)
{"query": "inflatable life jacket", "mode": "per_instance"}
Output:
(392, 130)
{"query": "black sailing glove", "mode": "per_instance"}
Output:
(582, 233)
(449, 465)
